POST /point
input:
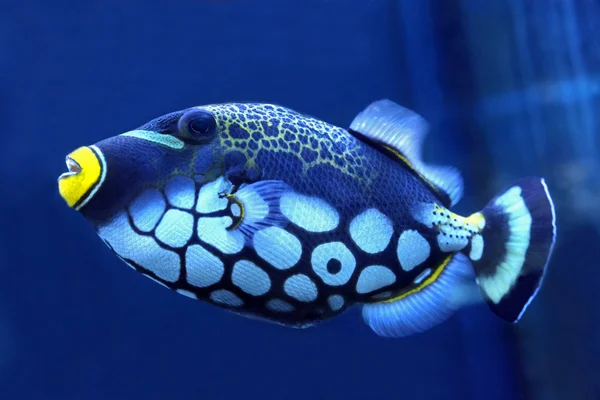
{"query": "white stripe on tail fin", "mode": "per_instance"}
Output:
(511, 252)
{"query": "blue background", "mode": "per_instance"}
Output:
(511, 89)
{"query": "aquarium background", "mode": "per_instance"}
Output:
(510, 87)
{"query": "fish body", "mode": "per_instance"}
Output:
(282, 217)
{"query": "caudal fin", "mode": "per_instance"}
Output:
(514, 245)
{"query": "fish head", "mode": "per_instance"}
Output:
(106, 177)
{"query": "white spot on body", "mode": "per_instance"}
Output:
(301, 288)
(336, 302)
(452, 239)
(435, 216)
(226, 297)
(413, 249)
(421, 277)
(142, 250)
(176, 228)
(371, 231)
(250, 278)
(310, 213)
(236, 211)
(181, 192)
(208, 197)
(327, 252)
(203, 268)
(147, 209)
(277, 305)
(187, 293)
(278, 247)
(476, 248)
(373, 278)
(382, 296)
(213, 230)
(454, 230)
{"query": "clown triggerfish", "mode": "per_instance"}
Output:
(278, 216)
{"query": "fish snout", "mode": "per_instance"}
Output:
(86, 172)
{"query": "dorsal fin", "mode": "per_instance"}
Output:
(401, 132)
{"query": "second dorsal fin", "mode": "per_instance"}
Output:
(401, 132)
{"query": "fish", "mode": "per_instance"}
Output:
(278, 216)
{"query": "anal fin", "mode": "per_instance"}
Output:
(428, 304)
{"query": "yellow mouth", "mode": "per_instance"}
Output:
(87, 170)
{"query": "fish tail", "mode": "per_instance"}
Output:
(511, 251)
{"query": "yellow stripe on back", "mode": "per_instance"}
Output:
(412, 167)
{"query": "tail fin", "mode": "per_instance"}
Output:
(514, 245)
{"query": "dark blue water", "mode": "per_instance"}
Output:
(510, 90)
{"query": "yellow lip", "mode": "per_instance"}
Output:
(87, 170)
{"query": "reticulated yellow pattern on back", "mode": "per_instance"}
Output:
(250, 128)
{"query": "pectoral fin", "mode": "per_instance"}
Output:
(256, 206)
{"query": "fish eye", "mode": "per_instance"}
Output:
(198, 125)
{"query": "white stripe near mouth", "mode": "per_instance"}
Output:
(100, 181)
(73, 167)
